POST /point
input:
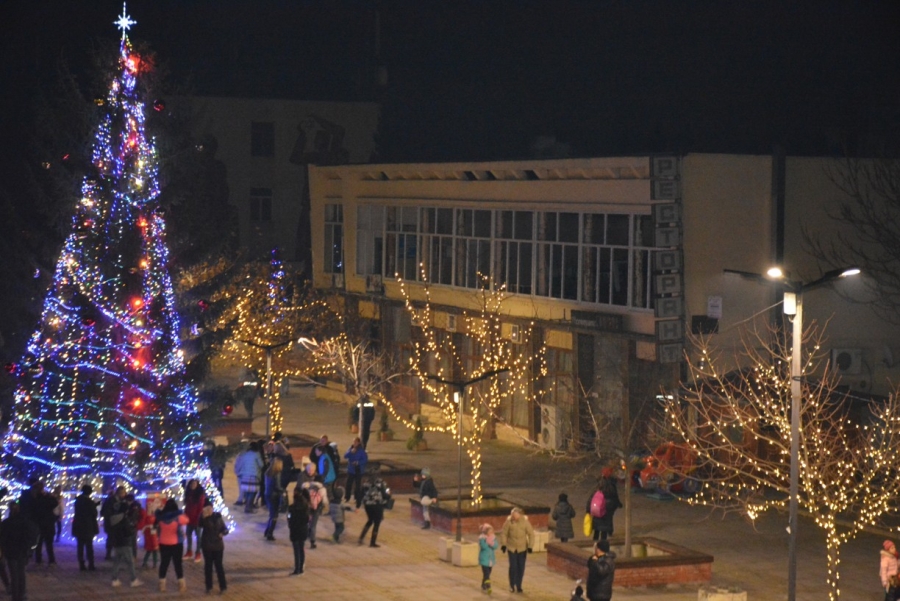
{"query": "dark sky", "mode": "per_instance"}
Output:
(481, 79)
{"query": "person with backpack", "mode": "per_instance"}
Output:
(171, 524)
(375, 497)
(212, 543)
(602, 505)
(122, 528)
(298, 527)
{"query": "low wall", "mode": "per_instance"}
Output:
(660, 562)
(494, 511)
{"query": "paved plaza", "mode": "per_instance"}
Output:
(406, 567)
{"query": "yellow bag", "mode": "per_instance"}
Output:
(588, 524)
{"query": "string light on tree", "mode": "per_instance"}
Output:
(738, 421)
(439, 358)
(102, 396)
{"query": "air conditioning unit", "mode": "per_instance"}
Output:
(451, 322)
(515, 333)
(549, 436)
(337, 280)
(374, 284)
(847, 361)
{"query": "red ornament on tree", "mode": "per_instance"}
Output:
(227, 409)
(159, 105)
(10, 367)
(204, 305)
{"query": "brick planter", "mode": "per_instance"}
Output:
(398, 476)
(660, 562)
(494, 510)
(232, 428)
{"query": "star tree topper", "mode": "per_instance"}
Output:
(124, 22)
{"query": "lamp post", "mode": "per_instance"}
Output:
(269, 348)
(793, 305)
(459, 396)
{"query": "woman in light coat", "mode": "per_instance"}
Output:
(517, 537)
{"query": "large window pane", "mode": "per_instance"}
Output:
(568, 227)
(524, 225)
(617, 230)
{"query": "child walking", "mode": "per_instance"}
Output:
(487, 557)
(151, 539)
(336, 509)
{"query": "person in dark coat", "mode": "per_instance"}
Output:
(563, 513)
(601, 571)
(375, 498)
(37, 505)
(212, 543)
(18, 536)
(298, 526)
(84, 527)
(611, 493)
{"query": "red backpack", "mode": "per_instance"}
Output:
(598, 505)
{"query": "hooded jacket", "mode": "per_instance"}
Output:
(889, 567)
(517, 536)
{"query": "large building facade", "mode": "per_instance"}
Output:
(615, 261)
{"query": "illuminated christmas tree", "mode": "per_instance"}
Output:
(102, 395)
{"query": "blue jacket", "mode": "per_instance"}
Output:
(356, 460)
(486, 552)
(326, 469)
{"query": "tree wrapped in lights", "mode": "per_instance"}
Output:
(102, 395)
(444, 361)
(739, 423)
(273, 311)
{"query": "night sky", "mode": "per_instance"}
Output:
(481, 80)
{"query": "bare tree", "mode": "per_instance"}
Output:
(868, 228)
(481, 361)
(737, 420)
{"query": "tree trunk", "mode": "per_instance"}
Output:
(833, 547)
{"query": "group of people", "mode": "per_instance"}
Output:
(266, 470)
(28, 529)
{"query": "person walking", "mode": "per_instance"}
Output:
(298, 527)
(85, 527)
(248, 467)
(516, 539)
(337, 510)
(273, 495)
(428, 494)
(194, 499)
(212, 543)
(375, 498)
(37, 505)
(170, 521)
(122, 528)
(563, 513)
(59, 511)
(601, 571)
(318, 504)
(890, 565)
(357, 459)
(487, 555)
(18, 538)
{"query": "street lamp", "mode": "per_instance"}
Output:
(793, 305)
(269, 348)
(459, 396)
